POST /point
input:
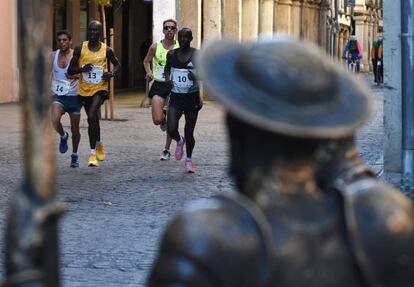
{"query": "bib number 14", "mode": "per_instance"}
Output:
(60, 87)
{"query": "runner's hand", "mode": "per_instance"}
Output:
(148, 77)
(108, 75)
(191, 76)
(87, 68)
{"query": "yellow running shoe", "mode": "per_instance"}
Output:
(92, 160)
(100, 152)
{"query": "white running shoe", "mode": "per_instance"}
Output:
(165, 155)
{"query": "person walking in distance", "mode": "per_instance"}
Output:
(65, 95)
(185, 96)
(160, 90)
(90, 62)
(377, 62)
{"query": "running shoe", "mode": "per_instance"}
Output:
(179, 150)
(165, 155)
(100, 152)
(189, 166)
(74, 161)
(63, 145)
(92, 161)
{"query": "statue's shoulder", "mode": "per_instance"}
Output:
(224, 237)
(380, 221)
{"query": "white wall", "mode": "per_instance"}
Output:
(162, 10)
(392, 89)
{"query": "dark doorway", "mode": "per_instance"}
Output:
(132, 22)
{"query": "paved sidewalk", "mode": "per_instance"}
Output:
(117, 211)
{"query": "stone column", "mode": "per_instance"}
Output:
(9, 80)
(371, 39)
(266, 16)
(392, 95)
(284, 15)
(163, 10)
(275, 15)
(340, 43)
(361, 36)
(94, 11)
(72, 16)
(212, 19)
(366, 46)
(250, 20)
(310, 23)
(296, 20)
(189, 15)
(232, 19)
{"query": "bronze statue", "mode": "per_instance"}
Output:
(308, 212)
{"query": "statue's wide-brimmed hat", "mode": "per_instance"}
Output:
(284, 86)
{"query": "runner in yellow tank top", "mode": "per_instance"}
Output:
(90, 61)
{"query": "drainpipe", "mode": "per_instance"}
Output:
(407, 66)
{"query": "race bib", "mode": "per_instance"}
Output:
(94, 76)
(180, 78)
(160, 73)
(60, 87)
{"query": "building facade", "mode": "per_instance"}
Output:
(136, 23)
(9, 72)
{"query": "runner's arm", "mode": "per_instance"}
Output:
(147, 61)
(74, 63)
(167, 68)
(114, 60)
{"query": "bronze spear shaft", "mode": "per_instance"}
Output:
(31, 238)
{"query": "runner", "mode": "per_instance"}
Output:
(159, 92)
(90, 61)
(65, 95)
(185, 96)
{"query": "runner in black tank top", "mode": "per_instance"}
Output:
(185, 96)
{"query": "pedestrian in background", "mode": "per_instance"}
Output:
(377, 61)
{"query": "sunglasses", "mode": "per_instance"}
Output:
(169, 28)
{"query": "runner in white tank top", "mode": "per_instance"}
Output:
(65, 96)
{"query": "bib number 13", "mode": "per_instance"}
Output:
(94, 76)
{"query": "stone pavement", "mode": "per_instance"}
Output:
(117, 211)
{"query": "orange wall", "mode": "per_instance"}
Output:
(8, 48)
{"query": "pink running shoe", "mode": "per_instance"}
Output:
(179, 150)
(189, 166)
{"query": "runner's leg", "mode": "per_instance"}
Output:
(173, 119)
(57, 112)
(157, 108)
(91, 109)
(74, 125)
(190, 123)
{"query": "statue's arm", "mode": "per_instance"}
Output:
(385, 222)
(210, 245)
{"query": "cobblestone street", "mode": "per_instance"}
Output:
(117, 211)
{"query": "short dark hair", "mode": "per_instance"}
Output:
(64, 32)
(187, 31)
(169, 20)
